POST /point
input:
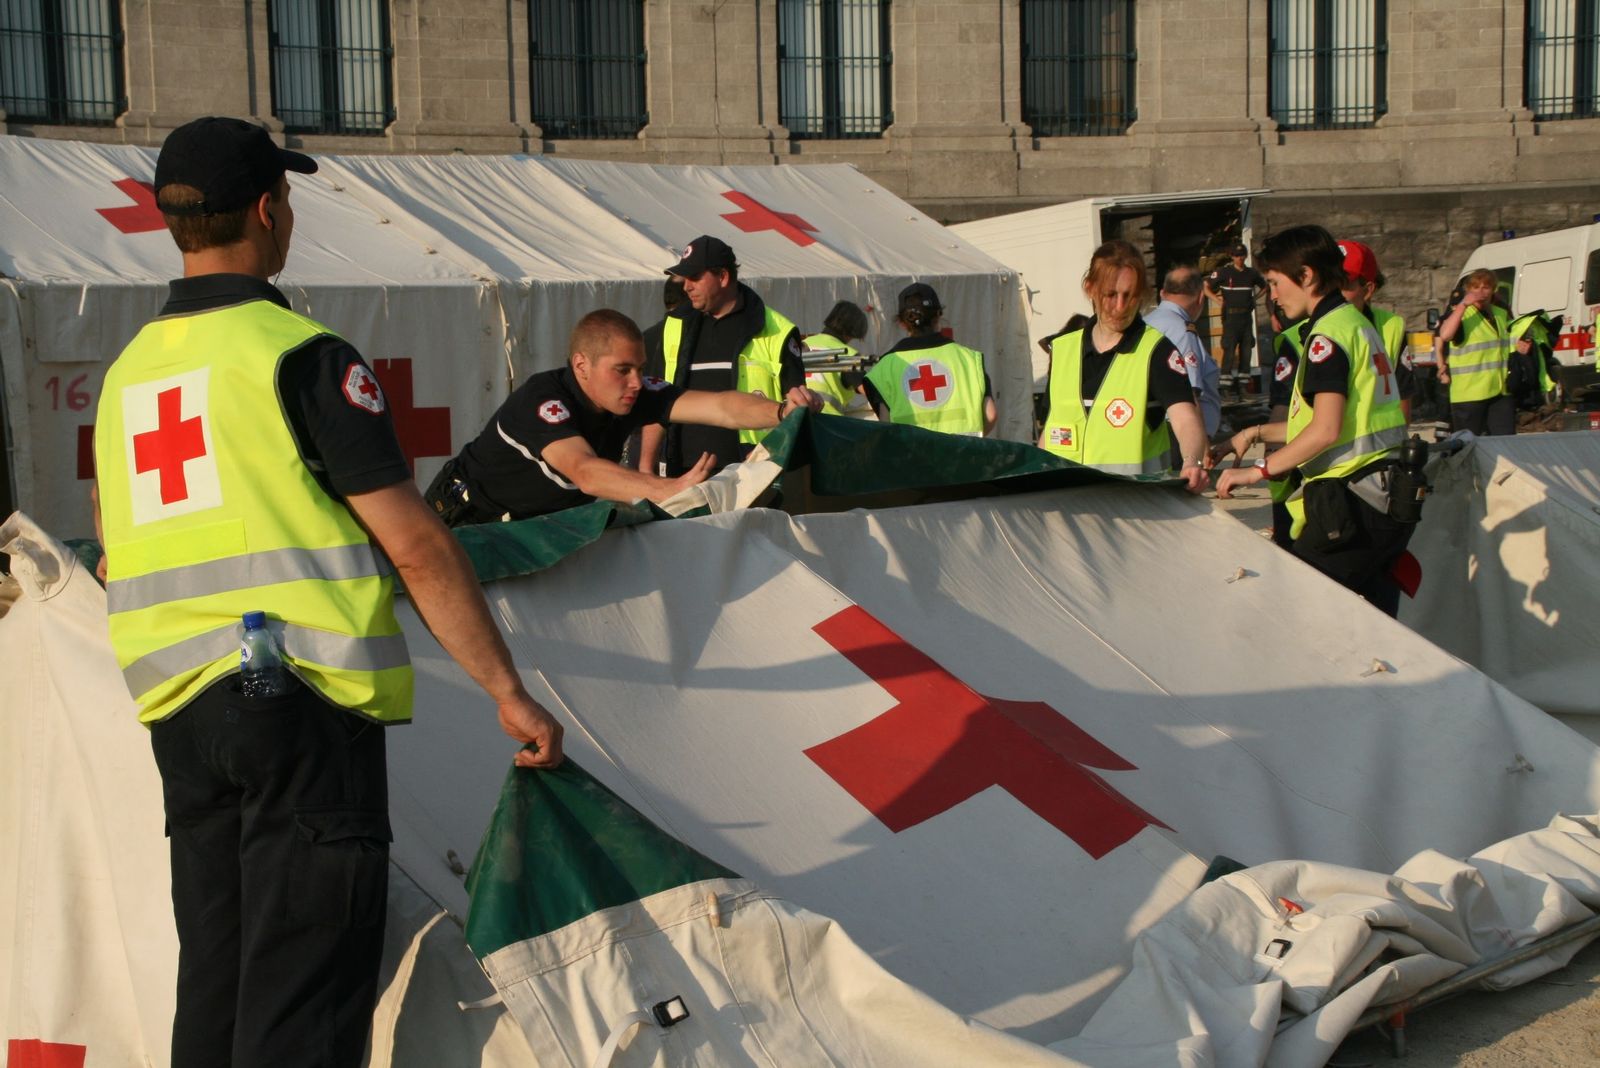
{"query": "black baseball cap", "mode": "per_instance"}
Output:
(705, 253)
(230, 161)
(919, 296)
(1238, 250)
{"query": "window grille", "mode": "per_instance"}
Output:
(1563, 77)
(61, 61)
(331, 64)
(1328, 63)
(834, 68)
(1078, 67)
(587, 65)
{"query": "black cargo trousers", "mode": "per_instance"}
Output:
(277, 811)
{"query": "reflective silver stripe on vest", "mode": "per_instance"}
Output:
(1472, 368)
(301, 643)
(1377, 441)
(1480, 346)
(246, 572)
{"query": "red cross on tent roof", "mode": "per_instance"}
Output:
(756, 216)
(142, 216)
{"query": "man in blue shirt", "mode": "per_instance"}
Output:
(1182, 290)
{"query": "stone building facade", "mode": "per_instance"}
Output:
(1451, 154)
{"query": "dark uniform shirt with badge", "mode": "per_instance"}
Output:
(336, 412)
(504, 466)
(1237, 286)
(1327, 364)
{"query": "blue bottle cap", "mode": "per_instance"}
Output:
(255, 620)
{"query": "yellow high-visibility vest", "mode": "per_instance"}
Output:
(1111, 433)
(209, 512)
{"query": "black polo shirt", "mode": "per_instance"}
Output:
(916, 344)
(1327, 364)
(349, 448)
(1237, 286)
(1168, 383)
(504, 466)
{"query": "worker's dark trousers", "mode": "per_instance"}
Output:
(1238, 338)
(277, 810)
(1485, 417)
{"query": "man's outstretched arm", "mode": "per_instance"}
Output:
(439, 579)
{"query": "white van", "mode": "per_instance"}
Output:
(1558, 272)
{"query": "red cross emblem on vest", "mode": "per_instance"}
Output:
(943, 742)
(174, 470)
(1118, 412)
(927, 383)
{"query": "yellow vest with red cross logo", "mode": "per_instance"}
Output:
(1111, 432)
(209, 511)
(938, 388)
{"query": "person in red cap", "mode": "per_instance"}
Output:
(1363, 280)
(247, 463)
(725, 337)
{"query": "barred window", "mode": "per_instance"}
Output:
(834, 68)
(331, 64)
(1328, 63)
(1563, 75)
(587, 65)
(1078, 67)
(61, 61)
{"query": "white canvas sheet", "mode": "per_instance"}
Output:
(686, 661)
(1510, 553)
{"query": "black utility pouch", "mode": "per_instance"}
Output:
(1330, 516)
(447, 495)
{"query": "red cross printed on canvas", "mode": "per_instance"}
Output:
(756, 217)
(34, 1053)
(422, 431)
(944, 742)
(928, 382)
(174, 442)
(142, 216)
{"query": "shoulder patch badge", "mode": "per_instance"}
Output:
(652, 383)
(1319, 349)
(1282, 369)
(362, 390)
(1175, 362)
(554, 412)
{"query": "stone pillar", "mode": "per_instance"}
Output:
(710, 82)
(453, 66)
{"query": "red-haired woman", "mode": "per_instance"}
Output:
(1116, 383)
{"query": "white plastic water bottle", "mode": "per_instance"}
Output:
(261, 670)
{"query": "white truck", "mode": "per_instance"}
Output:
(1558, 272)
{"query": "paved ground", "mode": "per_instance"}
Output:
(1552, 1022)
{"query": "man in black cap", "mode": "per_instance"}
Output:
(247, 463)
(725, 338)
(1237, 286)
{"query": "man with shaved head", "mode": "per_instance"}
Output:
(557, 441)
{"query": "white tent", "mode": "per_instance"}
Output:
(987, 738)
(453, 275)
(1510, 552)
